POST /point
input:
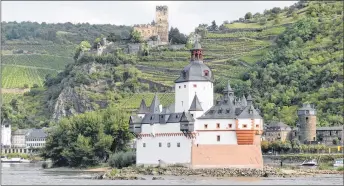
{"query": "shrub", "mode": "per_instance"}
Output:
(44, 165)
(122, 159)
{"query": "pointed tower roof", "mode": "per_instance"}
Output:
(143, 108)
(243, 101)
(249, 97)
(250, 112)
(186, 117)
(154, 107)
(228, 88)
(195, 105)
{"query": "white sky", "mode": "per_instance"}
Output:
(186, 15)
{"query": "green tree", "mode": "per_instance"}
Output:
(136, 37)
(248, 15)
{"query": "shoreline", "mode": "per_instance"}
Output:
(157, 173)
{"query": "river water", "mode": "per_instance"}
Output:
(33, 174)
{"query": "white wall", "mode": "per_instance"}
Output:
(152, 153)
(226, 137)
(6, 135)
(18, 141)
(248, 122)
(36, 143)
(161, 128)
(212, 124)
(204, 91)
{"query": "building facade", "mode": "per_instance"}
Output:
(275, 131)
(331, 135)
(196, 132)
(18, 138)
(159, 28)
(6, 134)
(36, 138)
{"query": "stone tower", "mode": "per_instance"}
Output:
(307, 123)
(162, 22)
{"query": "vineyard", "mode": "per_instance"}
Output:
(34, 60)
(52, 49)
(17, 77)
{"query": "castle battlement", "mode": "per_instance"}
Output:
(144, 26)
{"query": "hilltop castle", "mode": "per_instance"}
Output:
(195, 131)
(159, 28)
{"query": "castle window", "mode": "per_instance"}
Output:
(229, 125)
(206, 72)
(257, 126)
(179, 86)
(192, 115)
(168, 145)
(184, 86)
(220, 111)
(218, 138)
(227, 110)
(144, 144)
(205, 126)
(194, 85)
(217, 125)
(244, 126)
(307, 119)
(178, 144)
(162, 116)
(160, 145)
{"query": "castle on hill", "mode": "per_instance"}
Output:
(159, 28)
(195, 130)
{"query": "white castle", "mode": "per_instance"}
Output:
(195, 132)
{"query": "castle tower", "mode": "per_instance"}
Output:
(195, 78)
(162, 22)
(307, 123)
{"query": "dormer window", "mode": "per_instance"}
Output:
(220, 111)
(227, 111)
(151, 118)
(162, 116)
(206, 72)
(184, 74)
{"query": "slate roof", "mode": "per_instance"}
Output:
(154, 107)
(143, 108)
(306, 107)
(278, 125)
(227, 108)
(135, 120)
(186, 117)
(195, 70)
(195, 105)
(36, 133)
(250, 112)
(21, 132)
(331, 128)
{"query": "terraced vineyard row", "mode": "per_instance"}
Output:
(46, 61)
(250, 34)
(133, 101)
(17, 77)
(58, 50)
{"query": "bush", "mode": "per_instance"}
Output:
(122, 159)
(44, 165)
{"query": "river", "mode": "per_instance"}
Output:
(24, 174)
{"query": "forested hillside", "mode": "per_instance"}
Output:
(283, 57)
(306, 65)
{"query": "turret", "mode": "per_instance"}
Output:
(307, 123)
(143, 109)
(186, 122)
(249, 100)
(195, 108)
(155, 106)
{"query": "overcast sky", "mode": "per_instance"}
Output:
(185, 15)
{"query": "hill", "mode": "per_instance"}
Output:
(283, 57)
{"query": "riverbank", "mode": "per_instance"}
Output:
(138, 173)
